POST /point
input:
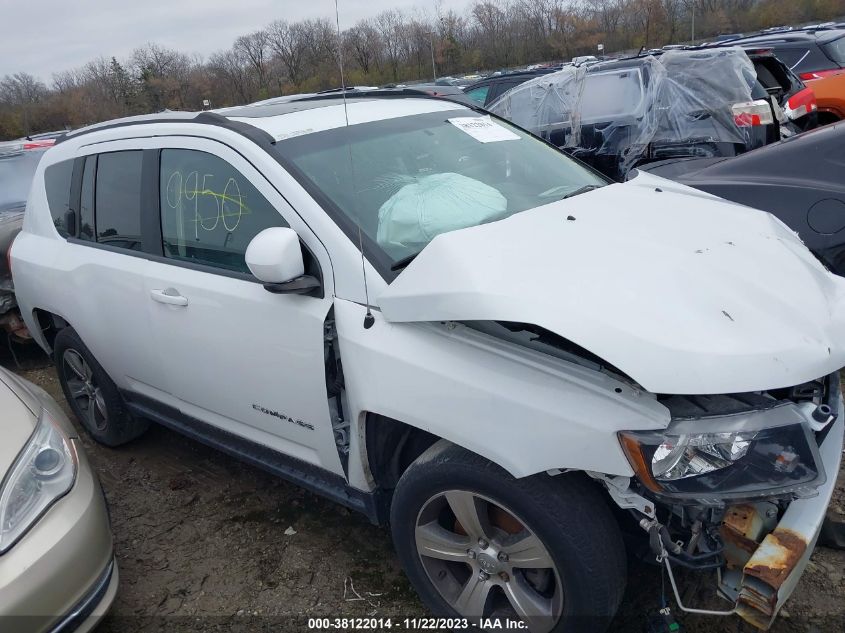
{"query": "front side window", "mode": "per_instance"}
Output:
(405, 180)
(209, 211)
(118, 199)
(836, 50)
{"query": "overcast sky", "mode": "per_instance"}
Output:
(45, 36)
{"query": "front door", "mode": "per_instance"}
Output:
(236, 356)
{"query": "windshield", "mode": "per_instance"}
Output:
(405, 180)
(16, 173)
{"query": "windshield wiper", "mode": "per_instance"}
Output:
(399, 264)
(580, 190)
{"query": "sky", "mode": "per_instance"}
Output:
(46, 36)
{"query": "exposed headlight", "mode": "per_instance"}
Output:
(43, 472)
(761, 453)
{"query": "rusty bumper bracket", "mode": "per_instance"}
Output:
(773, 570)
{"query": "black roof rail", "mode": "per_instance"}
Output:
(337, 93)
(253, 133)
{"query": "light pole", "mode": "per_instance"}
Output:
(692, 27)
(433, 67)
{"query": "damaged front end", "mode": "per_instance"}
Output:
(737, 484)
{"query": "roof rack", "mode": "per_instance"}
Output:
(253, 133)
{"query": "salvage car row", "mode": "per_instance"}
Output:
(515, 361)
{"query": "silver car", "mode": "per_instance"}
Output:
(57, 568)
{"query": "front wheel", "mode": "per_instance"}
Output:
(477, 544)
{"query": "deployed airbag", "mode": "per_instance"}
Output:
(428, 206)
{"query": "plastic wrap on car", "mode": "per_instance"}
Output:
(545, 103)
(676, 98)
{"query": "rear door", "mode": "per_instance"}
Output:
(235, 355)
(103, 265)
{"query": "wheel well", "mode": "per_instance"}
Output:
(392, 446)
(50, 325)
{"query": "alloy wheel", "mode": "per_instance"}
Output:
(485, 562)
(84, 390)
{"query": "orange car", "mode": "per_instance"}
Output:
(830, 96)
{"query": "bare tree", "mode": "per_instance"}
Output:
(21, 89)
(390, 27)
(288, 42)
(392, 46)
(231, 74)
(255, 47)
(363, 40)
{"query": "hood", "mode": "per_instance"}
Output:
(684, 292)
(19, 420)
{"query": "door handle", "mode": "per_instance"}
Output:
(170, 296)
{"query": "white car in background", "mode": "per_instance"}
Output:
(439, 320)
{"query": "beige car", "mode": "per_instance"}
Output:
(57, 568)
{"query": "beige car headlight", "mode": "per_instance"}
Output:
(43, 473)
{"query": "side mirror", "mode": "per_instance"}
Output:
(274, 256)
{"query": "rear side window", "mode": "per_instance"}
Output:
(209, 211)
(501, 88)
(118, 199)
(57, 179)
(836, 50)
(793, 57)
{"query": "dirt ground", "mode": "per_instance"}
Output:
(206, 543)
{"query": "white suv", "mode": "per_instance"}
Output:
(439, 320)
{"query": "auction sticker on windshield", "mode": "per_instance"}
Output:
(483, 128)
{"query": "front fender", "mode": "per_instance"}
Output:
(524, 410)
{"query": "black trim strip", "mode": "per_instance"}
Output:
(74, 203)
(85, 607)
(150, 203)
(308, 476)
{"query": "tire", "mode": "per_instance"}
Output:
(566, 514)
(95, 401)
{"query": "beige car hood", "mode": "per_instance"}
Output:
(19, 409)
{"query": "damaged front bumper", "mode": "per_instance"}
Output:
(760, 588)
(759, 545)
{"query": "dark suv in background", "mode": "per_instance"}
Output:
(810, 53)
(489, 89)
(618, 114)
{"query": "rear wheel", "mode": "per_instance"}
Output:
(477, 543)
(91, 394)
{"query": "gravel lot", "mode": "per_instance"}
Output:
(206, 543)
